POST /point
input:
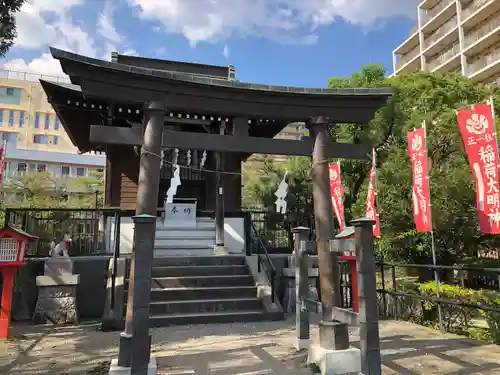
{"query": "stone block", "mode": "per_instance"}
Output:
(118, 370)
(335, 362)
(58, 266)
(57, 280)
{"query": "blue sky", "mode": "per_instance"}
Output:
(283, 42)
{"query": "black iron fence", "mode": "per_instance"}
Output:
(410, 292)
(275, 229)
(90, 230)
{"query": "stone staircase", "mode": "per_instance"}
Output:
(201, 290)
(185, 241)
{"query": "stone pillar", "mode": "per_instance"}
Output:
(301, 287)
(133, 349)
(371, 363)
(329, 279)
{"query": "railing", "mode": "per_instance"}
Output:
(468, 296)
(483, 62)
(263, 260)
(475, 5)
(89, 229)
(408, 57)
(444, 57)
(482, 31)
(437, 9)
(439, 33)
(413, 30)
(33, 77)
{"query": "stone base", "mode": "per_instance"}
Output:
(118, 370)
(335, 362)
(56, 305)
(302, 344)
(221, 250)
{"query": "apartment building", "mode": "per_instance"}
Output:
(461, 36)
(34, 136)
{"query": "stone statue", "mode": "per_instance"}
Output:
(281, 193)
(61, 248)
(175, 182)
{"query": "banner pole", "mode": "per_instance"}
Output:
(433, 246)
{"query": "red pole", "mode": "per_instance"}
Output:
(6, 306)
(354, 285)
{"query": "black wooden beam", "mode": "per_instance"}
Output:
(100, 134)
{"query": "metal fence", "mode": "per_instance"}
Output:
(90, 229)
(452, 303)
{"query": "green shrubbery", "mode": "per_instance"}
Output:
(469, 320)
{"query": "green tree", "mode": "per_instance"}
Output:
(8, 33)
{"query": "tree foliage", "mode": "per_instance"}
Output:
(418, 97)
(8, 33)
(42, 190)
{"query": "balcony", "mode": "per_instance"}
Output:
(473, 7)
(431, 13)
(445, 62)
(406, 58)
(441, 32)
(480, 39)
(486, 66)
(33, 77)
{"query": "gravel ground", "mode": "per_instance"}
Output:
(236, 349)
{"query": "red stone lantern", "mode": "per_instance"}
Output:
(14, 244)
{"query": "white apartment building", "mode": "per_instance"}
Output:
(460, 36)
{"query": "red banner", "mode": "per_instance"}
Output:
(421, 194)
(337, 194)
(3, 151)
(477, 127)
(371, 211)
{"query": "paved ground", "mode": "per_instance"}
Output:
(237, 349)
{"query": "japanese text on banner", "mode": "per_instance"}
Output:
(337, 194)
(417, 148)
(477, 127)
(371, 211)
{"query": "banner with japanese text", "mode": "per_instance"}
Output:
(371, 211)
(337, 194)
(421, 195)
(3, 151)
(477, 127)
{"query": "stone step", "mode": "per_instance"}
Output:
(164, 233)
(185, 242)
(193, 293)
(177, 271)
(201, 281)
(205, 306)
(179, 251)
(199, 261)
(164, 320)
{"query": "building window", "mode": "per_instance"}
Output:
(21, 167)
(1, 116)
(41, 139)
(56, 123)
(37, 120)
(55, 139)
(21, 119)
(65, 170)
(80, 172)
(41, 167)
(11, 118)
(9, 137)
(10, 95)
(47, 121)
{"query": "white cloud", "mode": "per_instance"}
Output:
(285, 21)
(35, 33)
(225, 51)
(105, 26)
